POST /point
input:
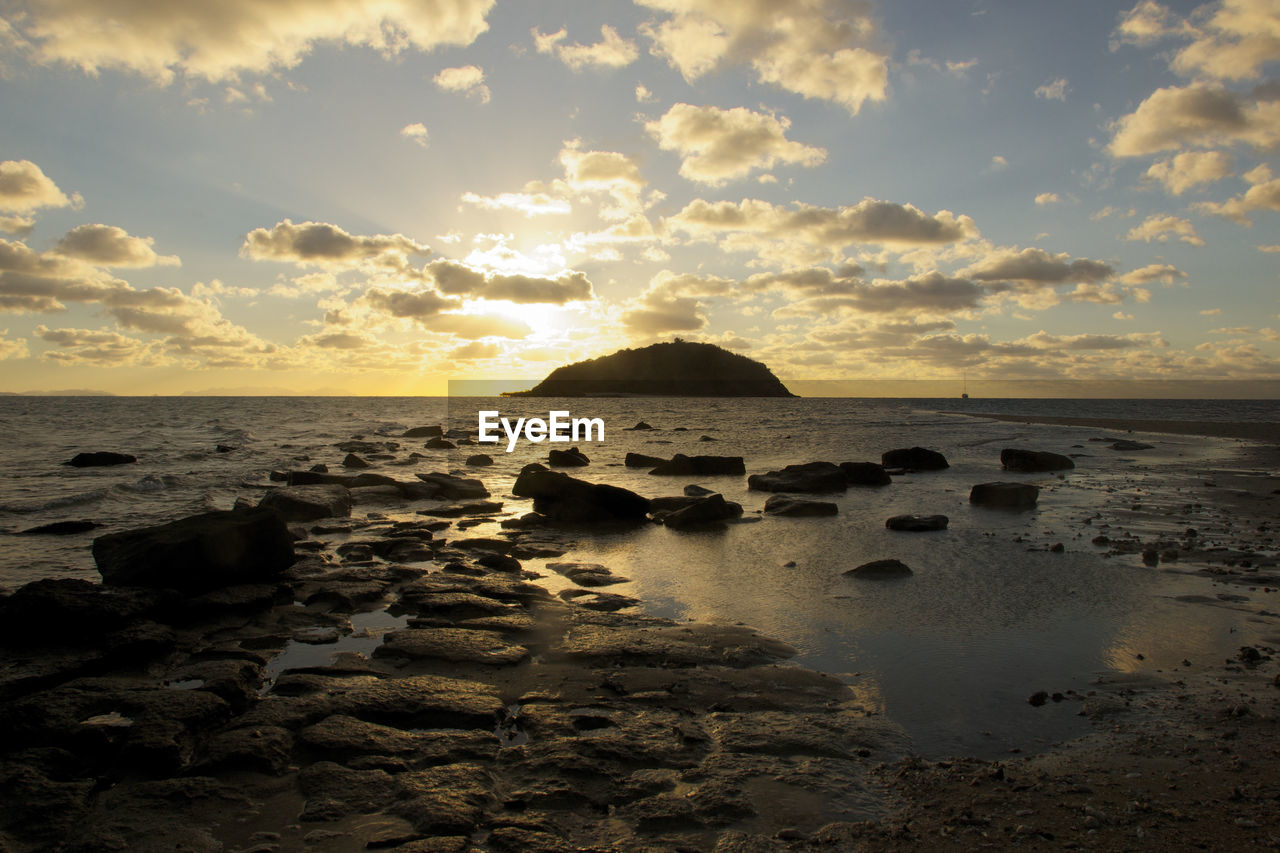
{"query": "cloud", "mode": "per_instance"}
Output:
(1144, 24)
(474, 351)
(602, 171)
(322, 244)
(1264, 194)
(829, 229)
(406, 304)
(612, 51)
(109, 246)
(1159, 227)
(12, 347)
(1234, 43)
(1046, 199)
(221, 41)
(466, 80)
(657, 314)
(998, 163)
(98, 347)
(643, 95)
(528, 204)
(1190, 169)
(416, 133)
(457, 279)
(719, 145)
(931, 294)
(24, 189)
(1195, 116)
(822, 49)
(1166, 274)
(1053, 91)
(43, 282)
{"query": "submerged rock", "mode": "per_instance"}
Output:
(480, 460)
(1014, 459)
(439, 443)
(99, 459)
(695, 511)
(202, 552)
(309, 503)
(423, 432)
(917, 523)
(786, 505)
(455, 488)
(640, 425)
(60, 528)
(810, 477)
(353, 461)
(1005, 495)
(1127, 444)
(881, 569)
(639, 460)
(587, 574)
(696, 491)
(564, 498)
(914, 458)
(681, 465)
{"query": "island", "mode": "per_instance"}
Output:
(674, 369)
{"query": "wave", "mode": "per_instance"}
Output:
(56, 503)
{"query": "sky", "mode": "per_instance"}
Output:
(337, 197)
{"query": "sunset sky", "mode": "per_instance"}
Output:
(326, 196)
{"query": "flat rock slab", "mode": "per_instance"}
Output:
(917, 523)
(784, 505)
(809, 477)
(587, 574)
(457, 645)
(673, 646)
(1015, 459)
(606, 602)
(422, 701)
(309, 503)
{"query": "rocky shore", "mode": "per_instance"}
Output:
(295, 676)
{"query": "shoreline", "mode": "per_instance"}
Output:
(1246, 430)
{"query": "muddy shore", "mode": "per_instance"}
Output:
(469, 709)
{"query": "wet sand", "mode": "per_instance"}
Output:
(1250, 431)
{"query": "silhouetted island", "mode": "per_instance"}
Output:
(675, 369)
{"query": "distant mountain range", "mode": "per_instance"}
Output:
(675, 369)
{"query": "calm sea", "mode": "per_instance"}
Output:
(989, 617)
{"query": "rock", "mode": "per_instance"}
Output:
(77, 609)
(1037, 699)
(60, 528)
(699, 511)
(324, 478)
(353, 461)
(500, 563)
(423, 432)
(639, 425)
(457, 645)
(564, 498)
(917, 523)
(1126, 444)
(1004, 495)
(420, 701)
(810, 477)
(571, 458)
(439, 443)
(318, 468)
(785, 505)
(224, 448)
(865, 474)
(1014, 459)
(479, 460)
(202, 552)
(476, 508)
(308, 503)
(99, 459)
(695, 491)
(587, 574)
(668, 646)
(605, 602)
(455, 488)
(881, 569)
(639, 460)
(689, 466)
(914, 458)
(707, 438)
(262, 749)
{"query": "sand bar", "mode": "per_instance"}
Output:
(1248, 430)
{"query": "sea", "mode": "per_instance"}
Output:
(990, 616)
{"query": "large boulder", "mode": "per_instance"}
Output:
(686, 511)
(455, 488)
(564, 498)
(640, 460)
(74, 609)
(202, 552)
(917, 523)
(914, 458)
(571, 458)
(1004, 495)
(785, 505)
(690, 466)
(865, 474)
(100, 458)
(1014, 459)
(810, 477)
(309, 503)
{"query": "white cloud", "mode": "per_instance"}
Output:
(1190, 169)
(528, 204)
(1046, 199)
(1166, 274)
(1144, 24)
(643, 95)
(322, 244)
(12, 347)
(416, 133)
(823, 49)
(1195, 116)
(24, 189)
(998, 163)
(612, 51)
(222, 41)
(465, 80)
(109, 246)
(1264, 194)
(720, 145)
(1159, 227)
(1055, 90)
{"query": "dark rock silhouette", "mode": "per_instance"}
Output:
(1005, 495)
(810, 477)
(99, 459)
(675, 369)
(914, 458)
(564, 498)
(1014, 459)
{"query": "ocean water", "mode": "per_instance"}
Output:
(989, 617)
